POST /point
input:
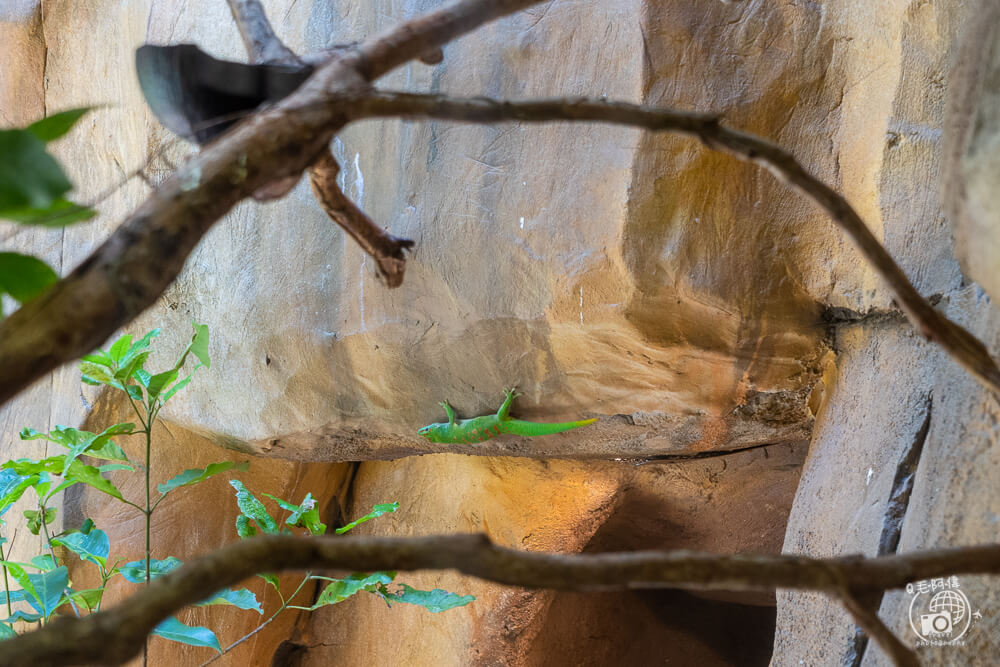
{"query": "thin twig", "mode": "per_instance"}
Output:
(965, 348)
(868, 620)
(284, 605)
(262, 44)
(387, 250)
(115, 635)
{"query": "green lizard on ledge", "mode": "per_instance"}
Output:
(479, 429)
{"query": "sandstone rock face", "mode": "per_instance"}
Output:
(972, 139)
(568, 506)
(559, 296)
(690, 301)
(902, 453)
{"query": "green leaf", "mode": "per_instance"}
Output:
(339, 590)
(94, 373)
(241, 598)
(434, 601)
(271, 579)
(120, 347)
(15, 596)
(24, 616)
(89, 598)
(12, 487)
(6, 632)
(134, 392)
(126, 368)
(52, 464)
(98, 445)
(195, 475)
(52, 127)
(98, 357)
(44, 562)
(191, 635)
(135, 571)
(140, 345)
(253, 509)
(199, 344)
(176, 388)
(60, 213)
(159, 381)
(16, 571)
(47, 589)
(142, 376)
(29, 176)
(93, 547)
(377, 511)
(87, 526)
(24, 277)
(35, 519)
(302, 515)
(91, 476)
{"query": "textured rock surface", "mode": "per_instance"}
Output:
(973, 147)
(903, 455)
(556, 299)
(568, 506)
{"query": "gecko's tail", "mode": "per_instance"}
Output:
(520, 427)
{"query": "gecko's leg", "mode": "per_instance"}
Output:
(449, 411)
(503, 412)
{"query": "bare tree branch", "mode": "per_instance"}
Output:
(965, 348)
(127, 273)
(263, 46)
(113, 636)
(868, 620)
(387, 250)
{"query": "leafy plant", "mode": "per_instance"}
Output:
(121, 367)
(254, 519)
(48, 588)
(33, 190)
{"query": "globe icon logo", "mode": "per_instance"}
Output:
(948, 602)
(944, 616)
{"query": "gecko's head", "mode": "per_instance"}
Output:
(432, 431)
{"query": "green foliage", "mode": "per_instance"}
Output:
(135, 571)
(241, 598)
(32, 192)
(305, 514)
(192, 635)
(339, 590)
(193, 476)
(43, 591)
(376, 512)
(252, 510)
(93, 546)
(122, 368)
(35, 517)
(24, 277)
(55, 126)
(434, 601)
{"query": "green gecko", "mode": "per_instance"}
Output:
(480, 429)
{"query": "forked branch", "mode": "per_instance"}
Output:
(114, 636)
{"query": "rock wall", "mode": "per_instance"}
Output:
(702, 310)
